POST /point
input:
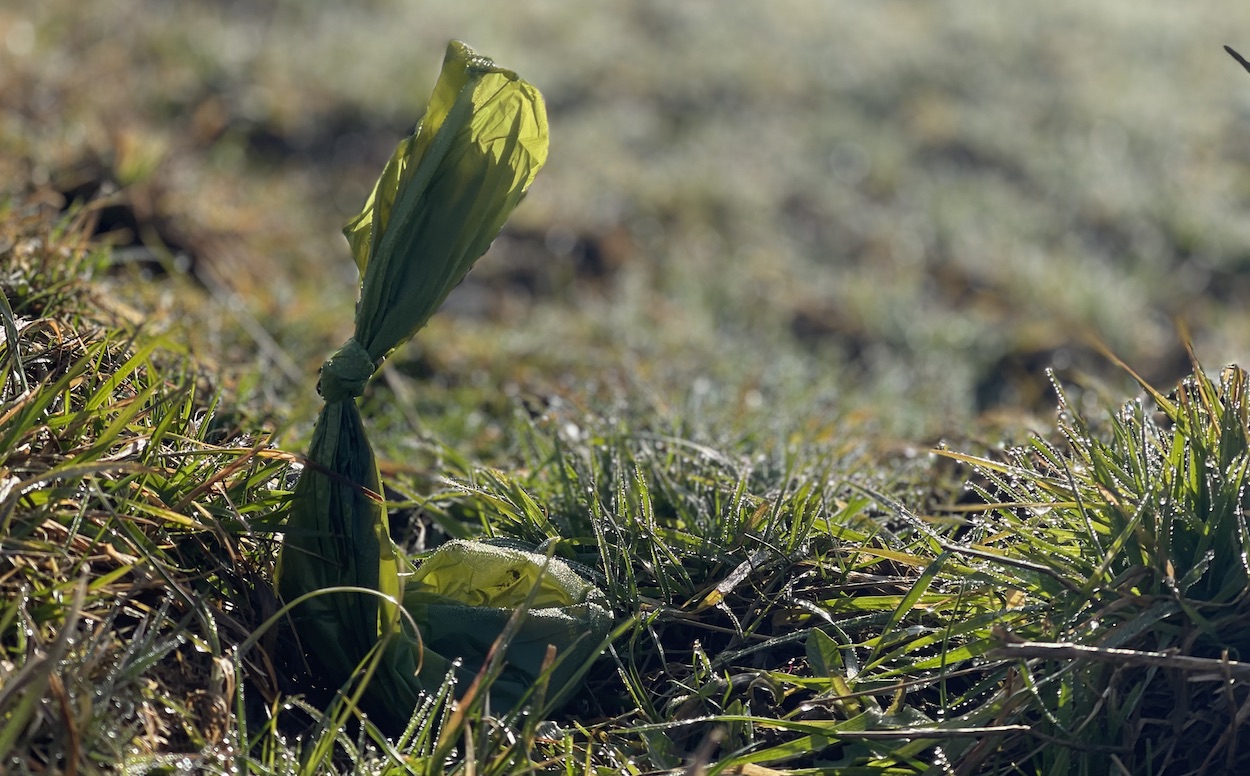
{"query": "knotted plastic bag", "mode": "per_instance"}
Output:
(440, 201)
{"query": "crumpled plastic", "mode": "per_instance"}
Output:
(440, 201)
(465, 592)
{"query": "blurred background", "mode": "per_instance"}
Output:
(893, 211)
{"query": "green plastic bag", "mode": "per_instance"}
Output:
(440, 201)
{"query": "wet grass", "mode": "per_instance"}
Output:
(779, 604)
(709, 361)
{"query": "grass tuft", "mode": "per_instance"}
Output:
(130, 552)
(1137, 536)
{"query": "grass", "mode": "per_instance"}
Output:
(1140, 538)
(717, 386)
(780, 607)
(123, 527)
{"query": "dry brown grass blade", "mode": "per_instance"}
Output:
(1212, 670)
(221, 474)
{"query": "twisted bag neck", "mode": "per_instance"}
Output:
(344, 375)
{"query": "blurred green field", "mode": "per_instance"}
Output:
(909, 210)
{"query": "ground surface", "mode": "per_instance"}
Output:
(934, 203)
(813, 236)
